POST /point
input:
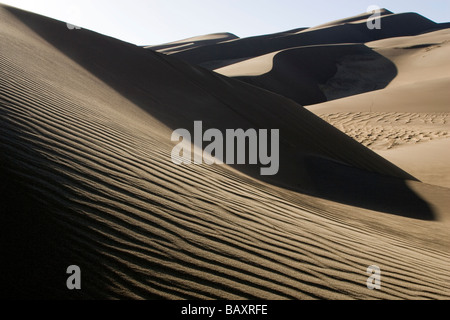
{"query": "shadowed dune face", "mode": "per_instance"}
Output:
(86, 148)
(310, 75)
(34, 245)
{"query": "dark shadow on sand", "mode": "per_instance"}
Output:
(34, 248)
(311, 75)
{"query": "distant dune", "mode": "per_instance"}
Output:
(310, 74)
(194, 42)
(353, 30)
(87, 177)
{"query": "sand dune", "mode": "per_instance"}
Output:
(194, 42)
(85, 124)
(416, 142)
(359, 17)
(388, 130)
(222, 54)
(365, 88)
(419, 84)
(430, 163)
(323, 63)
(412, 110)
(310, 74)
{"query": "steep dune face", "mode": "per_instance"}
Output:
(420, 85)
(85, 144)
(407, 117)
(315, 74)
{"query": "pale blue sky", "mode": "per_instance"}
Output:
(146, 22)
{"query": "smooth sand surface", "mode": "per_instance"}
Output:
(87, 179)
(429, 161)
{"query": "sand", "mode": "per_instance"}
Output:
(408, 121)
(426, 161)
(194, 42)
(383, 93)
(86, 122)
